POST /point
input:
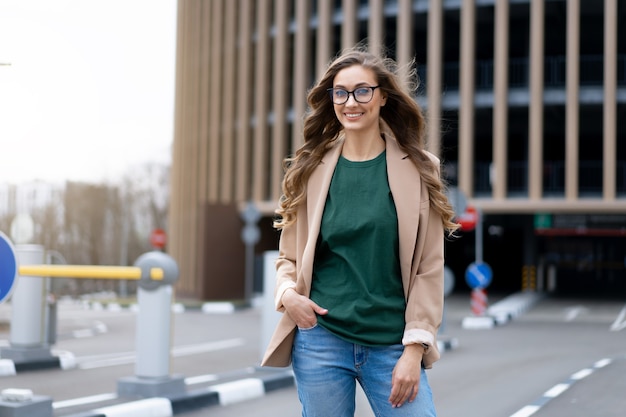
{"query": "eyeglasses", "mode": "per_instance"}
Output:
(361, 95)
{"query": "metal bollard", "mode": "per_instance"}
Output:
(153, 332)
(17, 402)
(27, 344)
(27, 302)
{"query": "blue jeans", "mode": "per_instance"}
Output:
(326, 368)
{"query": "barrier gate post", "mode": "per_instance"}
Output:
(27, 345)
(152, 377)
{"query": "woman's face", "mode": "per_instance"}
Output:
(357, 114)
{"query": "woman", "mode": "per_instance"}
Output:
(360, 267)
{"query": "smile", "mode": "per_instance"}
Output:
(353, 114)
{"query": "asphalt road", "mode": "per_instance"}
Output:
(564, 357)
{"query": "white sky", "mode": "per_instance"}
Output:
(90, 89)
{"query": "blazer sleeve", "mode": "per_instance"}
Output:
(424, 308)
(425, 298)
(286, 271)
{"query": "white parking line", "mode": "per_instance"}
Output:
(200, 379)
(527, 411)
(573, 312)
(559, 389)
(125, 358)
(84, 400)
(207, 347)
(556, 390)
(619, 323)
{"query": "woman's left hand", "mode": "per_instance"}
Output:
(405, 379)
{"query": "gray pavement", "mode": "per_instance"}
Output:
(562, 357)
(599, 392)
(515, 370)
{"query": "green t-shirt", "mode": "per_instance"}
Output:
(356, 273)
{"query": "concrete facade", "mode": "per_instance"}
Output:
(523, 100)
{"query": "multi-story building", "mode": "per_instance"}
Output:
(523, 99)
(27, 196)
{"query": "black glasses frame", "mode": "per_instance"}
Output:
(370, 87)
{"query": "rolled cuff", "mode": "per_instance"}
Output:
(278, 304)
(412, 336)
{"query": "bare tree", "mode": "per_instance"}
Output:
(87, 225)
(149, 186)
(102, 224)
(143, 201)
(49, 224)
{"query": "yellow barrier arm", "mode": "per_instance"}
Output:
(92, 272)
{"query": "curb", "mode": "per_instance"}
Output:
(220, 394)
(504, 310)
(59, 360)
(513, 306)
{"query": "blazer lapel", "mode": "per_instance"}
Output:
(317, 191)
(405, 185)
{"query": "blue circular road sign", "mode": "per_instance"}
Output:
(8, 267)
(478, 275)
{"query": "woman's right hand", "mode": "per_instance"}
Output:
(301, 309)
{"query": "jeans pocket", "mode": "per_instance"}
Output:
(307, 329)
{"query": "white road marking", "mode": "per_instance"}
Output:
(200, 379)
(558, 389)
(619, 323)
(125, 358)
(581, 374)
(207, 347)
(573, 312)
(84, 400)
(527, 411)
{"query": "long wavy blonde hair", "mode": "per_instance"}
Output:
(321, 129)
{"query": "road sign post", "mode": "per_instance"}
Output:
(478, 276)
(479, 301)
(158, 239)
(468, 219)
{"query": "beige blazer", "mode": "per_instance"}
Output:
(421, 236)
